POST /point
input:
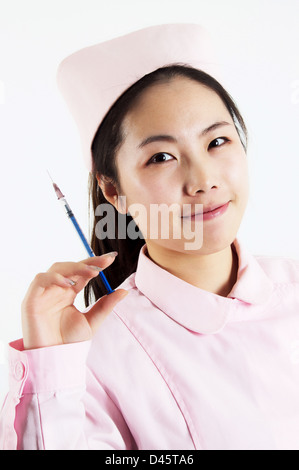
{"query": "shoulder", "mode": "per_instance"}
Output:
(279, 269)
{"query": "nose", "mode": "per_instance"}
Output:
(200, 178)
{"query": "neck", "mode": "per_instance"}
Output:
(216, 272)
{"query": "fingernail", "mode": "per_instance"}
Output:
(96, 268)
(124, 293)
(112, 254)
(70, 282)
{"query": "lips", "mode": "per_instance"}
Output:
(210, 212)
(213, 208)
(207, 209)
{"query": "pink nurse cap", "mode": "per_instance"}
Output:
(92, 78)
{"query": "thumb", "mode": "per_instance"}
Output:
(101, 309)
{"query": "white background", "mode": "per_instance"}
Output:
(258, 45)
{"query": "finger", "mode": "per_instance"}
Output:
(43, 281)
(99, 311)
(102, 261)
(86, 268)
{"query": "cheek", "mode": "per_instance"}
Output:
(149, 190)
(163, 189)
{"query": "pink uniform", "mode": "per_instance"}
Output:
(172, 367)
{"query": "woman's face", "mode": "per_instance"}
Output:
(190, 166)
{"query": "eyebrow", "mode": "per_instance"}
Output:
(170, 138)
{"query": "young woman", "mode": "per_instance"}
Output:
(195, 350)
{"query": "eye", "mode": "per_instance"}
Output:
(218, 142)
(160, 158)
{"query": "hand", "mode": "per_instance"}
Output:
(49, 316)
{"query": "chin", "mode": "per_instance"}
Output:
(216, 247)
(215, 243)
(206, 247)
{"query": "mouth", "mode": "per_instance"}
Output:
(209, 212)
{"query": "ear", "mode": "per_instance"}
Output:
(111, 193)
